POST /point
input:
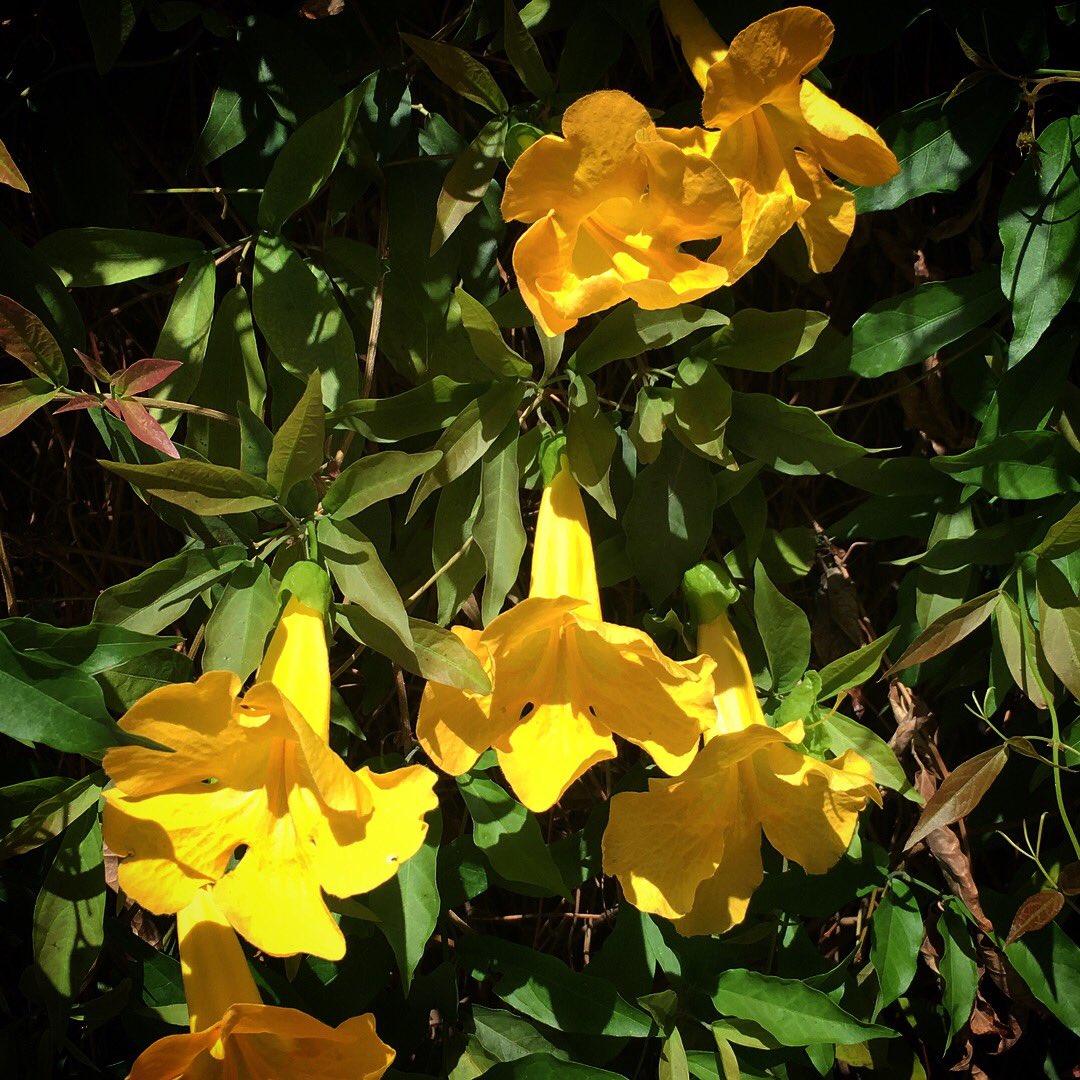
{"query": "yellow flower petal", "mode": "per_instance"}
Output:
(700, 43)
(214, 968)
(297, 662)
(736, 699)
(829, 219)
(839, 140)
(765, 61)
(179, 1057)
(562, 562)
(266, 781)
(809, 808)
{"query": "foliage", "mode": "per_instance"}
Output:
(257, 306)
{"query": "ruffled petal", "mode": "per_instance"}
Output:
(265, 1041)
(179, 1057)
(700, 43)
(765, 61)
(663, 843)
(563, 563)
(549, 750)
(456, 726)
(722, 900)
(829, 220)
(809, 808)
(841, 142)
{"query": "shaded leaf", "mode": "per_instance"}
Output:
(959, 793)
(24, 336)
(241, 621)
(946, 631)
(897, 934)
(296, 453)
(784, 630)
(85, 257)
(487, 340)
(467, 180)
(375, 478)
(1038, 910)
(463, 74)
(197, 486)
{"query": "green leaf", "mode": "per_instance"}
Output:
(674, 498)
(855, 668)
(354, 564)
(487, 340)
(24, 336)
(784, 630)
(946, 631)
(1063, 537)
(467, 180)
(545, 989)
(629, 331)
(241, 621)
(442, 657)
(507, 1037)
(408, 905)
(897, 934)
(652, 410)
(84, 257)
(590, 442)
(509, 836)
(959, 793)
(1040, 232)
(523, 53)
(762, 340)
(906, 329)
(160, 595)
(847, 734)
(52, 816)
(20, 400)
(92, 648)
(306, 161)
(700, 409)
(463, 74)
(958, 966)
(68, 917)
(55, 706)
(296, 453)
(1049, 962)
(1023, 657)
(426, 407)
(1019, 465)
(297, 311)
(197, 486)
(789, 438)
(1059, 624)
(375, 478)
(499, 532)
(231, 372)
(226, 125)
(467, 439)
(453, 551)
(793, 1013)
(547, 1067)
(940, 143)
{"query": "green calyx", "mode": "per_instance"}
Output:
(709, 590)
(309, 583)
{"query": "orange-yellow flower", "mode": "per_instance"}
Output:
(254, 776)
(690, 848)
(610, 201)
(234, 1036)
(564, 682)
(778, 133)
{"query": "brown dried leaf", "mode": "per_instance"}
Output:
(960, 792)
(955, 864)
(946, 631)
(1068, 880)
(1037, 911)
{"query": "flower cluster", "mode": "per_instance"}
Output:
(612, 199)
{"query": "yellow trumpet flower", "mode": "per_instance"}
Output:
(564, 682)
(253, 776)
(778, 132)
(690, 848)
(610, 201)
(234, 1036)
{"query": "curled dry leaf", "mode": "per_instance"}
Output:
(1034, 913)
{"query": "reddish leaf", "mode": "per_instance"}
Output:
(143, 375)
(1069, 879)
(9, 171)
(28, 339)
(19, 400)
(960, 792)
(946, 631)
(1034, 913)
(144, 427)
(80, 401)
(93, 368)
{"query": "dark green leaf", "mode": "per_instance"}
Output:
(197, 486)
(297, 450)
(83, 257)
(547, 1067)
(467, 180)
(427, 407)
(52, 816)
(784, 630)
(460, 72)
(700, 409)
(241, 621)
(226, 126)
(1049, 962)
(590, 442)
(958, 967)
(1019, 465)
(443, 658)
(897, 935)
(487, 340)
(499, 532)
(762, 340)
(375, 478)
(507, 1037)
(847, 734)
(855, 668)
(523, 53)
(92, 648)
(1059, 624)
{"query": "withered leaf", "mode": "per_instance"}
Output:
(1037, 911)
(960, 792)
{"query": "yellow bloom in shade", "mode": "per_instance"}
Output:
(610, 201)
(255, 772)
(234, 1036)
(564, 682)
(778, 132)
(690, 848)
